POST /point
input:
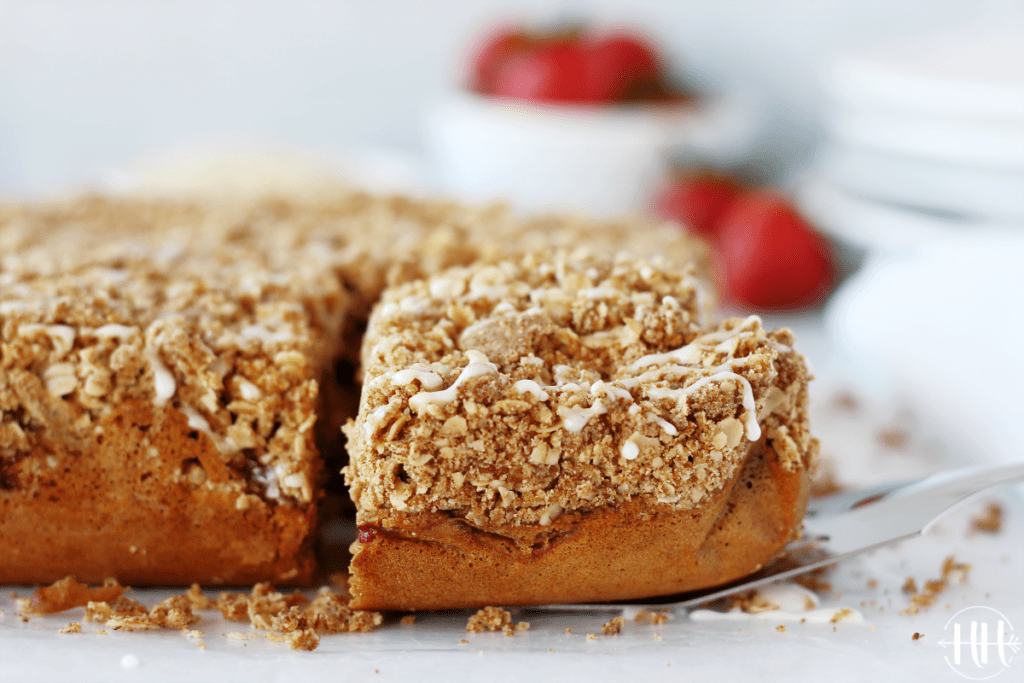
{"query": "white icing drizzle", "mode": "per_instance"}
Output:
(687, 361)
(478, 366)
(692, 352)
(199, 423)
(111, 331)
(630, 449)
(374, 419)
(428, 380)
(599, 388)
(503, 307)
(667, 426)
(599, 293)
(250, 392)
(264, 335)
(575, 419)
(528, 386)
(163, 381)
(749, 417)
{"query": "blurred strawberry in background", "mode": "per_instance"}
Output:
(697, 200)
(570, 66)
(768, 256)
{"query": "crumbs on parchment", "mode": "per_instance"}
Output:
(927, 596)
(989, 522)
(612, 627)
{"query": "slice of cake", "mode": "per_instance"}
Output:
(561, 428)
(158, 392)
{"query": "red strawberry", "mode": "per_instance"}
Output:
(770, 257)
(556, 71)
(697, 201)
(621, 66)
(492, 57)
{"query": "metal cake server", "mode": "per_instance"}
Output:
(846, 524)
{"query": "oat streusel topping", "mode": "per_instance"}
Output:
(508, 394)
(229, 311)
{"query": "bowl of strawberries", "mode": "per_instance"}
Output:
(571, 118)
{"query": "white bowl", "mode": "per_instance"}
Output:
(602, 160)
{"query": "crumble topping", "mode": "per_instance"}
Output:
(229, 311)
(516, 392)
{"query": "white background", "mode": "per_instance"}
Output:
(87, 86)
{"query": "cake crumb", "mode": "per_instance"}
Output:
(917, 636)
(463, 640)
(909, 586)
(489, 619)
(927, 596)
(236, 635)
(872, 583)
(201, 645)
(894, 437)
(815, 580)
(101, 632)
(990, 522)
(651, 617)
(189, 633)
(613, 627)
(121, 606)
(73, 627)
(306, 639)
(568, 630)
(591, 636)
(841, 614)
(408, 620)
(67, 593)
(780, 628)
(199, 601)
(657, 637)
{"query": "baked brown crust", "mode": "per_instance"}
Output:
(112, 509)
(626, 552)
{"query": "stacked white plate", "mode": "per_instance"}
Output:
(924, 138)
(924, 167)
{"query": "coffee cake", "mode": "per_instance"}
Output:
(168, 383)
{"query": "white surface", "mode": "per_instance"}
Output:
(600, 159)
